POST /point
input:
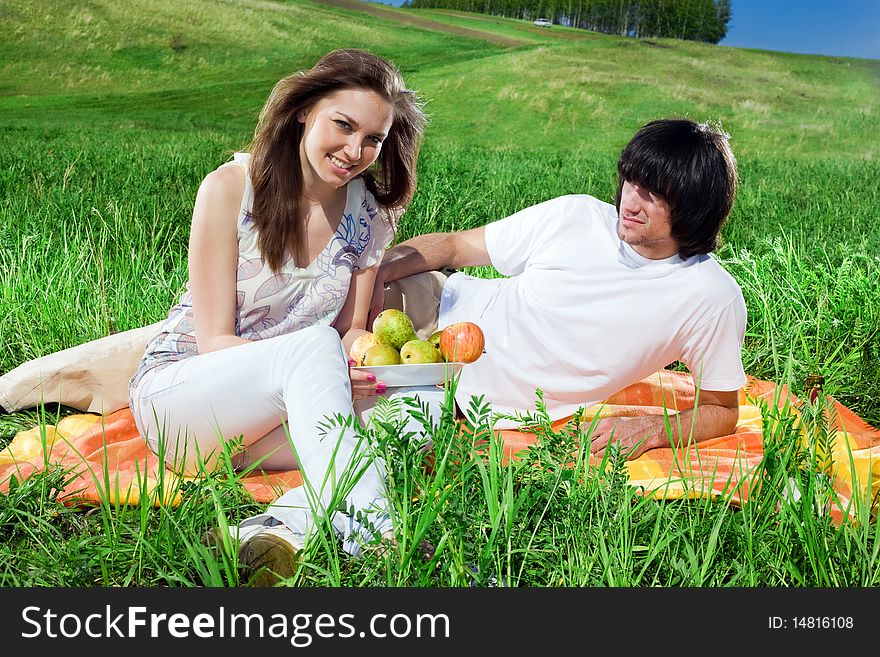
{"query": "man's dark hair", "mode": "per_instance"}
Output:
(692, 167)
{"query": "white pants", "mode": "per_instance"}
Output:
(192, 406)
(243, 391)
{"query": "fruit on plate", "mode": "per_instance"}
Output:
(435, 339)
(360, 345)
(462, 342)
(393, 327)
(382, 354)
(419, 351)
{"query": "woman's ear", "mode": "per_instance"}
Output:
(301, 116)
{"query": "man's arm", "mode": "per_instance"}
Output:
(435, 251)
(716, 414)
(429, 252)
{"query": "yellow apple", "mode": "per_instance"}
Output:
(360, 345)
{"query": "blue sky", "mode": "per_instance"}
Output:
(849, 28)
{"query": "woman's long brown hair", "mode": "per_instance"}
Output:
(275, 168)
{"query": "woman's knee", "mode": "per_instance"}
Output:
(322, 333)
(314, 341)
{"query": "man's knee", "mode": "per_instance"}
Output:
(419, 297)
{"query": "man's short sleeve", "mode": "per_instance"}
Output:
(511, 242)
(714, 353)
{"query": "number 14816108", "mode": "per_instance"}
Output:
(811, 623)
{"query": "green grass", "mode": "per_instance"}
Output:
(545, 519)
(106, 131)
(593, 95)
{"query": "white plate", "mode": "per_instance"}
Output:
(425, 374)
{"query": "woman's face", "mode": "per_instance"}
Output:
(342, 136)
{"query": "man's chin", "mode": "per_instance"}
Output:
(624, 236)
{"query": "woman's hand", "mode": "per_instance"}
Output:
(363, 384)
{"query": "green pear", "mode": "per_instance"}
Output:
(419, 351)
(435, 339)
(393, 327)
(381, 354)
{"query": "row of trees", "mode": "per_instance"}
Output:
(697, 20)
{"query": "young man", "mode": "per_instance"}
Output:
(597, 297)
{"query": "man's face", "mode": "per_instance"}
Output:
(644, 223)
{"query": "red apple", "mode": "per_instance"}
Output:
(462, 342)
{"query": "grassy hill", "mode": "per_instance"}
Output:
(559, 89)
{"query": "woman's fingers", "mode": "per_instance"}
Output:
(364, 384)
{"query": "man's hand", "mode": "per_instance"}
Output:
(635, 435)
(716, 415)
(430, 252)
(377, 304)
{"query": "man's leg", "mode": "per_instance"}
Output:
(419, 297)
(90, 377)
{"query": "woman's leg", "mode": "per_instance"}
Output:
(271, 452)
(248, 391)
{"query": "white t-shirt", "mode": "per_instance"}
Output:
(582, 315)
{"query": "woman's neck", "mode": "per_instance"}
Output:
(317, 191)
(324, 197)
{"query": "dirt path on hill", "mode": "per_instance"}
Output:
(400, 17)
(526, 27)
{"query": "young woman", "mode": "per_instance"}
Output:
(283, 252)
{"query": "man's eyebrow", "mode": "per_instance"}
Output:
(355, 123)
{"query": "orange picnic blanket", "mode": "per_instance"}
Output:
(109, 461)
